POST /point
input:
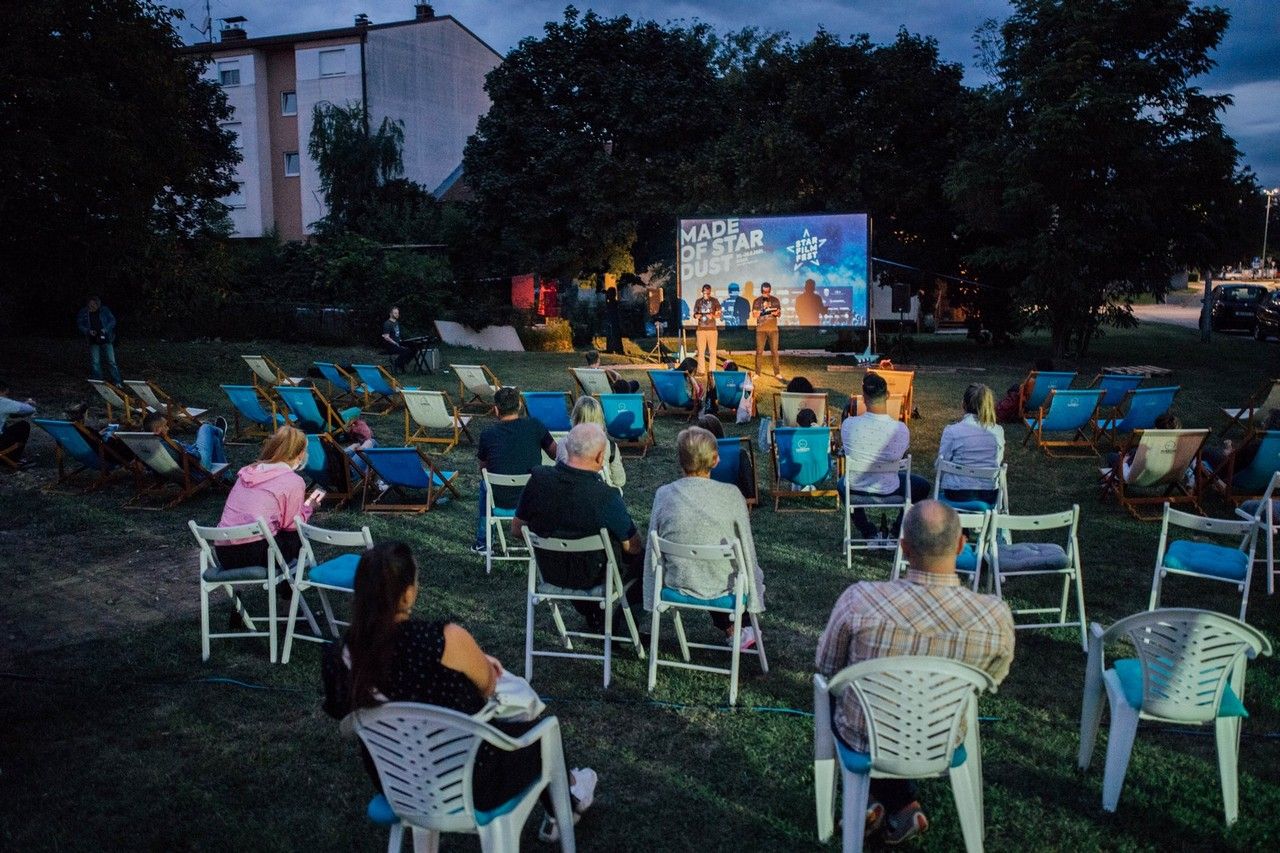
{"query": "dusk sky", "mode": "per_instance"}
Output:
(1248, 60)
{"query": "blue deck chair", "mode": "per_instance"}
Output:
(628, 420)
(343, 387)
(737, 467)
(340, 483)
(802, 458)
(728, 387)
(1145, 405)
(671, 390)
(404, 470)
(81, 445)
(549, 407)
(312, 411)
(1251, 481)
(251, 405)
(1065, 412)
(1043, 383)
(377, 381)
(1115, 386)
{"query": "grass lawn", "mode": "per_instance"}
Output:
(115, 736)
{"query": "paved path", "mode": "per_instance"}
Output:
(1187, 316)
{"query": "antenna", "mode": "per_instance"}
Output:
(206, 27)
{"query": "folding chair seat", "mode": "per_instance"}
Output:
(1206, 560)
(425, 756)
(1265, 512)
(591, 381)
(1188, 669)
(902, 383)
(1264, 400)
(737, 466)
(312, 412)
(1249, 481)
(255, 415)
(997, 480)
(341, 478)
(895, 406)
(1143, 406)
(1071, 412)
(156, 400)
(163, 465)
(788, 405)
(214, 577)
(739, 591)
(380, 388)
(433, 410)
(476, 386)
(978, 528)
(915, 709)
(78, 444)
(728, 385)
(497, 517)
(335, 574)
(801, 464)
(403, 470)
(267, 374)
(1043, 383)
(628, 420)
(343, 387)
(610, 595)
(1011, 559)
(549, 407)
(884, 504)
(672, 392)
(119, 407)
(1163, 464)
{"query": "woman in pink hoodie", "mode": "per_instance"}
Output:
(271, 489)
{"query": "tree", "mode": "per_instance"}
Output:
(1088, 179)
(111, 152)
(356, 166)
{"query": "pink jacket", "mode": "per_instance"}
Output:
(272, 491)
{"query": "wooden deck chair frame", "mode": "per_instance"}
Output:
(866, 503)
(591, 381)
(156, 400)
(787, 405)
(246, 427)
(646, 440)
(353, 479)
(780, 494)
(9, 457)
(232, 581)
(1023, 400)
(434, 493)
(433, 410)
(311, 535)
(267, 374)
(612, 593)
(1083, 439)
(109, 462)
(1265, 398)
(483, 385)
(1227, 483)
(978, 529)
(116, 398)
(157, 474)
(1267, 518)
(385, 402)
(741, 591)
(662, 408)
(902, 383)
(350, 389)
(1002, 525)
(333, 421)
(1175, 489)
(493, 523)
(1246, 530)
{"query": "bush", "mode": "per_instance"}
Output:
(555, 336)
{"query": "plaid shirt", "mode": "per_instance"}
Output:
(923, 614)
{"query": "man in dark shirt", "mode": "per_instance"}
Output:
(767, 309)
(513, 445)
(571, 501)
(391, 340)
(708, 313)
(98, 326)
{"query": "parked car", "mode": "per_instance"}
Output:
(1267, 317)
(1234, 306)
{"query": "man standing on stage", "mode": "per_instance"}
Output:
(766, 310)
(707, 312)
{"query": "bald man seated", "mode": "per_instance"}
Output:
(926, 612)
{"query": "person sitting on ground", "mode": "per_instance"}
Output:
(386, 655)
(14, 434)
(696, 510)
(1009, 409)
(514, 445)
(711, 424)
(208, 447)
(587, 411)
(571, 501)
(927, 612)
(800, 385)
(874, 438)
(616, 382)
(272, 490)
(976, 441)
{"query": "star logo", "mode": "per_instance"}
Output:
(805, 250)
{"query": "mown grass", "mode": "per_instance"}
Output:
(123, 743)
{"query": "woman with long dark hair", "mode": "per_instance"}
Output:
(388, 656)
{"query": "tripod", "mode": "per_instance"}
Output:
(659, 352)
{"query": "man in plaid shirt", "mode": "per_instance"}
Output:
(927, 612)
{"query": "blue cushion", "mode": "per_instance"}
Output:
(499, 512)
(340, 571)
(1205, 558)
(348, 414)
(1251, 507)
(1029, 556)
(860, 762)
(484, 818)
(967, 506)
(1129, 671)
(379, 811)
(676, 597)
(967, 560)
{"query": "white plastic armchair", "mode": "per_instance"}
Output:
(921, 719)
(1189, 669)
(425, 756)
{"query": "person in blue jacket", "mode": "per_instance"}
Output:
(96, 322)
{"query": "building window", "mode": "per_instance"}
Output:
(229, 73)
(333, 63)
(236, 197)
(234, 127)
(292, 164)
(288, 103)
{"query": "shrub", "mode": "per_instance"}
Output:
(555, 336)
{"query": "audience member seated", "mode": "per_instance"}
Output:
(696, 510)
(1214, 457)
(271, 489)
(571, 501)
(14, 434)
(874, 438)
(1165, 421)
(514, 445)
(208, 446)
(1008, 410)
(357, 435)
(587, 411)
(977, 441)
(799, 385)
(387, 655)
(696, 389)
(619, 385)
(927, 612)
(711, 424)
(806, 418)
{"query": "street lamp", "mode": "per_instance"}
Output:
(1266, 223)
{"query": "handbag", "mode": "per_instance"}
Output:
(747, 403)
(513, 700)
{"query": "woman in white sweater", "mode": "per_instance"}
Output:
(587, 411)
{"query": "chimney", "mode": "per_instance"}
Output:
(362, 20)
(233, 29)
(423, 11)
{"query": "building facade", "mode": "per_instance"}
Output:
(427, 73)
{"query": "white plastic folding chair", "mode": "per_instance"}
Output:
(496, 517)
(607, 595)
(425, 756)
(977, 527)
(921, 720)
(995, 480)
(1265, 513)
(1189, 669)
(336, 574)
(1206, 560)
(740, 589)
(433, 410)
(213, 577)
(1011, 559)
(869, 503)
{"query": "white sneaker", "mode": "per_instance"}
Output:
(748, 638)
(583, 794)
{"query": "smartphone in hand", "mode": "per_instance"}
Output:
(316, 496)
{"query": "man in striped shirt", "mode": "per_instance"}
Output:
(927, 612)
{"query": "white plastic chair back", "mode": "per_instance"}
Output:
(738, 578)
(1267, 521)
(108, 392)
(1247, 530)
(275, 570)
(429, 409)
(309, 533)
(790, 404)
(207, 537)
(144, 392)
(593, 380)
(494, 524)
(977, 528)
(998, 479)
(1168, 455)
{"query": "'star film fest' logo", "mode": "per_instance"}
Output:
(805, 250)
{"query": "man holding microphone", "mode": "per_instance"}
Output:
(706, 310)
(766, 309)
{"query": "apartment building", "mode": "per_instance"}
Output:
(427, 72)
